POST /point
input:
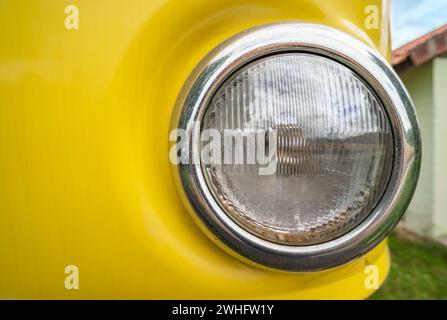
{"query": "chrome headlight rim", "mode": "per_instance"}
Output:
(277, 38)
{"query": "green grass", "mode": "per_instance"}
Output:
(418, 270)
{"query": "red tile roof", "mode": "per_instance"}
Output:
(420, 50)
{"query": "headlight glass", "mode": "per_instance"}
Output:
(332, 148)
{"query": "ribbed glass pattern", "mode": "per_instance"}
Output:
(332, 157)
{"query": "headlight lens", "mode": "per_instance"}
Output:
(340, 157)
(332, 157)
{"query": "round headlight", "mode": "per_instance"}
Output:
(301, 148)
(332, 157)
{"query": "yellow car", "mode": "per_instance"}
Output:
(197, 149)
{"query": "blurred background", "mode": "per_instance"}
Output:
(419, 245)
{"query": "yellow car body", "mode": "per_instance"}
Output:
(85, 178)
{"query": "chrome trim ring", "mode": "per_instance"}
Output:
(264, 40)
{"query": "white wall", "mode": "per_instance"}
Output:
(440, 147)
(427, 84)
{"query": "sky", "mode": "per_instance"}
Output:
(414, 18)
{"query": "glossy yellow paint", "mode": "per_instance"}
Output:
(84, 173)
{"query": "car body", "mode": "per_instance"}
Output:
(85, 180)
